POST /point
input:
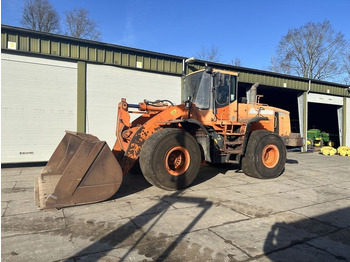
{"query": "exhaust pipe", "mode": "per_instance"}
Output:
(252, 92)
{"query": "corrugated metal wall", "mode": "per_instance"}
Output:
(90, 51)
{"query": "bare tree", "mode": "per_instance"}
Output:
(80, 25)
(236, 62)
(314, 51)
(211, 54)
(347, 64)
(278, 67)
(40, 15)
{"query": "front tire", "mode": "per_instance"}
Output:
(265, 156)
(170, 159)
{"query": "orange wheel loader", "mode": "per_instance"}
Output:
(169, 142)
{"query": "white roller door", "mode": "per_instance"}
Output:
(325, 99)
(106, 85)
(38, 102)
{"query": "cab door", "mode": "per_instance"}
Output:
(225, 92)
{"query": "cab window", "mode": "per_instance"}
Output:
(225, 91)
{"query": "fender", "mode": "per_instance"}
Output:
(132, 152)
(202, 139)
(247, 133)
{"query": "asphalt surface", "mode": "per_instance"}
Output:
(304, 215)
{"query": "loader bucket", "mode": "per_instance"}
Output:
(81, 170)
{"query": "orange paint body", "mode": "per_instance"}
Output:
(131, 136)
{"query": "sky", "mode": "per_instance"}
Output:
(249, 30)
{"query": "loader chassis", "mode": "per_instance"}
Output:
(169, 142)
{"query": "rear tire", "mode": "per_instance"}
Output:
(310, 143)
(170, 159)
(265, 156)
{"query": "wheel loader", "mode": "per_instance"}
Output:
(170, 142)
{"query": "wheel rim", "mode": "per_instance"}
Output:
(177, 160)
(270, 156)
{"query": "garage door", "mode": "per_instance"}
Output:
(38, 102)
(106, 85)
(325, 112)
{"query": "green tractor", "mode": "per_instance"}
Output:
(318, 138)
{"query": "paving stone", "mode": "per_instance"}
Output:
(8, 184)
(248, 208)
(277, 202)
(166, 223)
(212, 216)
(187, 198)
(16, 193)
(5, 172)
(344, 185)
(336, 243)
(197, 246)
(119, 254)
(32, 223)
(119, 208)
(4, 206)
(269, 187)
(22, 206)
(304, 215)
(336, 213)
(194, 198)
(302, 252)
(38, 247)
(321, 194)
(263, 235)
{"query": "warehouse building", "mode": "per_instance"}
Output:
(51, 83)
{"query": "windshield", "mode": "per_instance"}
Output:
(197, 86)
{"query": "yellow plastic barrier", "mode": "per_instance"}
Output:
(343, 150)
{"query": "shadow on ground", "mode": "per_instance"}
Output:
(320, 238)
(135, 182)
(103, 246)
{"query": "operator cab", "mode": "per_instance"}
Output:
(210, 89)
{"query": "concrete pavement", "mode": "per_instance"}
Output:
(304, 215)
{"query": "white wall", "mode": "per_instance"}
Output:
(106, 85)
(38, 102)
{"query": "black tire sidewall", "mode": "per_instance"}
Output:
(163, 141)
(311, 143)
(270, 139)
(252, 163)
